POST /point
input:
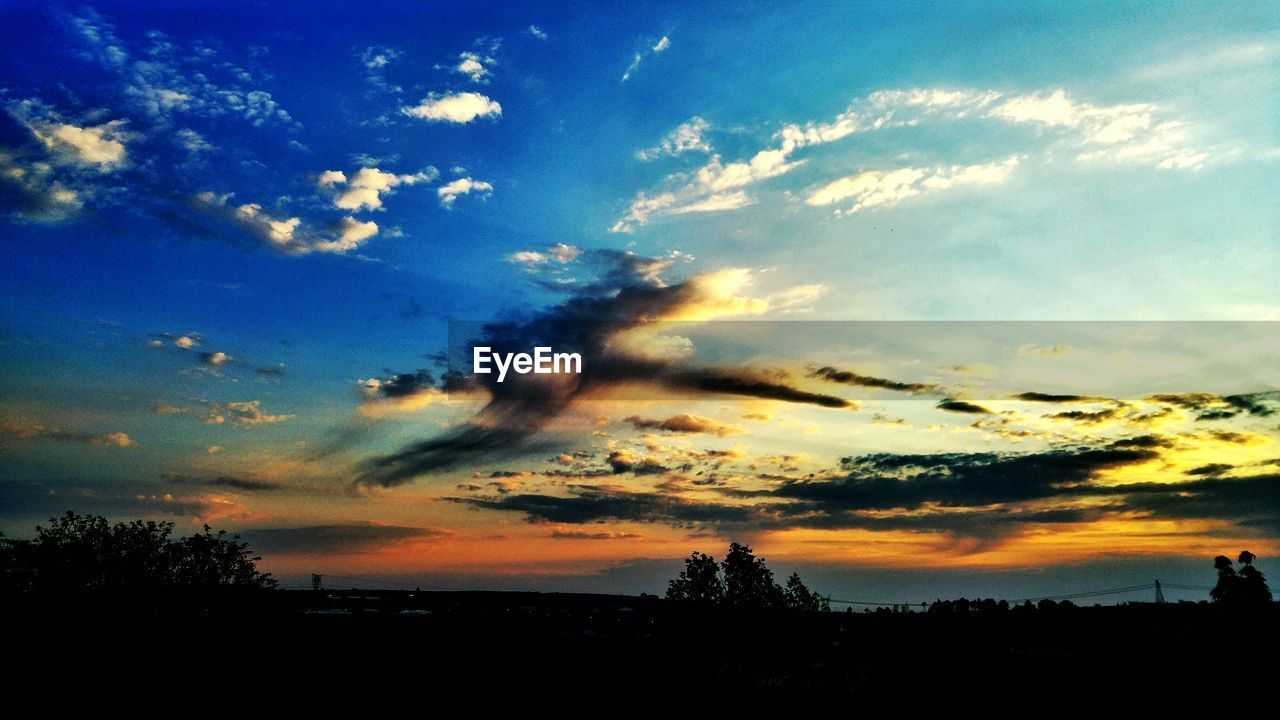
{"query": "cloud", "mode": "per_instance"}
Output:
(628, 293)
(1118, 133)
(846, 377)
(886, 188)
(28, 429)
(459, 108)
(659, 47)
(565, 534)
(449, 192)
(536, 32)
(285, 234)
(961, 406)
(532, 261)
(35, 193)
(1128, 132)
(338, 538)
(227, 482)
(243, 413)
(684, 424)
(474, 66)
(686, 137)
(364, 190)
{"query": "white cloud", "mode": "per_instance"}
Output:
(686, 137)
(532, 260)
(886, 188)
(454, 107)
(658, 47)
(1118, 133)
(349, 234)
(1122, 133)
(364, 190)
(537, 32)
(474, 66)
(287, 234)
(43, 198)
(715, 203)
(449, 192)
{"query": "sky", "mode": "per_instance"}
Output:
(918, 301)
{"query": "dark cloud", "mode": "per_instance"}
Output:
(683, 424)
(1086, 417)
(337, 539)
(627, 294)
(961, 406)
(622, 461)
(40, 500)
(846, 377)
(276, 370)
(888, 481)
(223, 481)
(1050, 398)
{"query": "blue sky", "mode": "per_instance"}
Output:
(229, 227)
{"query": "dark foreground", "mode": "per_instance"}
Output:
(472, 645)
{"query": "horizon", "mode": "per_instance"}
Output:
(919, 305)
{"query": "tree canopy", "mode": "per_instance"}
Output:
(1246, 587)
(88, 553)
(740, 581)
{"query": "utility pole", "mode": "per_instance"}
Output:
(1159, 594)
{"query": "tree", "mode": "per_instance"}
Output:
(1247, 587)
(1253, 584)
(748, 582)
(799, 597)
(741, 581)
(86, 552)
(699, 583)
(209, 559)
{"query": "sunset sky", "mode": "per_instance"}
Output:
(919, 301)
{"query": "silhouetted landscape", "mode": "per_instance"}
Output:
(131, 593)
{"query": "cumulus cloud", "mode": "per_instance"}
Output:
(286, 234)
(459, 108)
(532, 260)
(450, 191)
(364, 189)
(244, 413)
(34, 191)
(536, 32)
(475, 66)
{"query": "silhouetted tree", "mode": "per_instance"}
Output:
(741, 581)
(1227, 589)
(86, 552)
(1253, 587)
(800, 597)
(699, 582)
(748, 582)
(209, 559)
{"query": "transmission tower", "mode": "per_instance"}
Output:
(1159, 594)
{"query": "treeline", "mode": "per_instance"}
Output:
(740, 581)
(79, 553)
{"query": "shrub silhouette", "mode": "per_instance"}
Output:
(1244, 588)
(87, 553)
